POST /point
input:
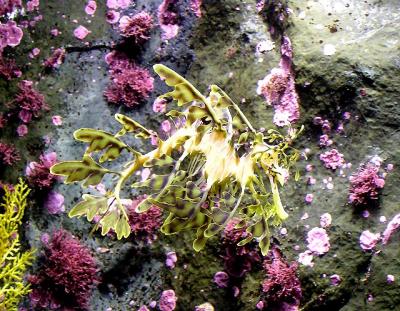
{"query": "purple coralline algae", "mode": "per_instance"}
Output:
(67, 277)
(282, 284)
(130, 84)
(8, 154)
(144, 224)
(136, 27)
(8, 68)
(38, 173)
(168, 19)
(365, 184)
(278, 88)
(28, 101)
(238, 260)
(332, 159)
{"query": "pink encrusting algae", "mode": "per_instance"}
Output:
(91, 7)
(221, 279)
(10, 35)
(54, 203)
(167, 300)
(81, 32)
(112, 17)
(32, 5)
(392, 226)
(67, 277)
(278, 88)
(22, 130)
(318, 241)
(171, 260)
(368, 240)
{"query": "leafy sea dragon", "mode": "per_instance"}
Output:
(201, 173)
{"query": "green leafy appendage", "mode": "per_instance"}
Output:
(218, 167)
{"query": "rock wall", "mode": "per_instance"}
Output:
(346, 65)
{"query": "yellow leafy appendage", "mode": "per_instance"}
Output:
(13, 263)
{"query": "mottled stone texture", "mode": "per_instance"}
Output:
(360, 75)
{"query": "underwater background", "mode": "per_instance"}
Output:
(331, 67)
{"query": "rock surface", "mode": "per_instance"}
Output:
(346, 60)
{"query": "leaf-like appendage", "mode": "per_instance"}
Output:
(91, 206)
(218, 97)
(117, 222)
(264, 244)
(163, 160)
(178, 206)
(155, 182)
(143, 206)
(175, 114)
(87, 170)
(196, 113)
(184, 91)
(201, 240)
(100, 140)
(131, 126)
